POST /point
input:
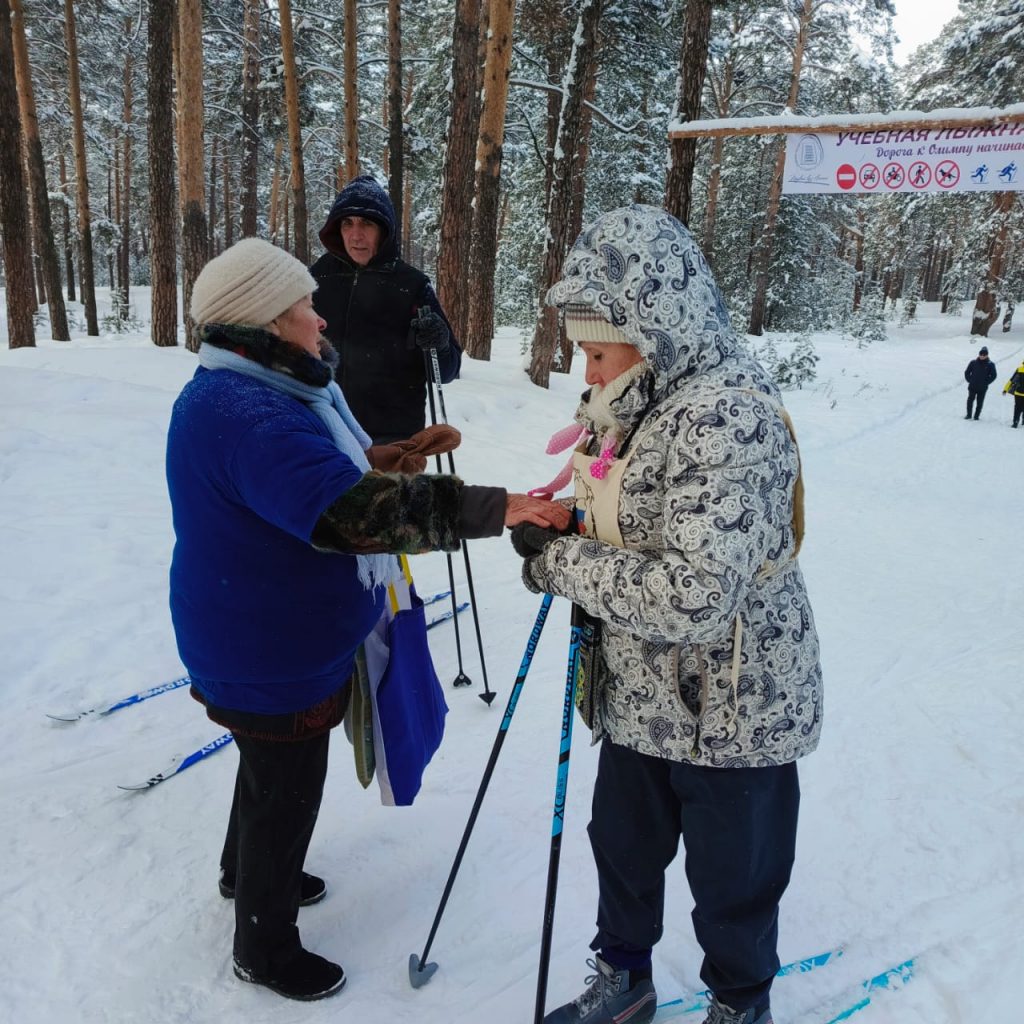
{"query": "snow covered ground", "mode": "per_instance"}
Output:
(911, 841)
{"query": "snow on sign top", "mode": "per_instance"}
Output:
(975, 149)
(788, 123)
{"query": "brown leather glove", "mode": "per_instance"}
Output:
(433, 440)
(411, 456)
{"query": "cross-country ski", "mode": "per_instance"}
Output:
(180, 764)
(106, 709)
(698, 1002)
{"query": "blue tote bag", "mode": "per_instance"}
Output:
(408, 705)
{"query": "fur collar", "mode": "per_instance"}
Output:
(274, 353)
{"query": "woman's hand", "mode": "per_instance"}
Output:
(521, 508)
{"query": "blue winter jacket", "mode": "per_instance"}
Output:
(265, 623)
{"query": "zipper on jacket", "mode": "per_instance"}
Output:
(348, 311)
(705, 694)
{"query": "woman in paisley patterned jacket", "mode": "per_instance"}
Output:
(704, 685)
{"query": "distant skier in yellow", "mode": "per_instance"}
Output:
(1015, 387)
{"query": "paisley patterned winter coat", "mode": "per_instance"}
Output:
(706, 518)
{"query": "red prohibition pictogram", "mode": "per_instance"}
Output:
(947, 173)
(846, 176)
(919, 174)
(869, 176)
(893, 175)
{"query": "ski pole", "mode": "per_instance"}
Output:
(558, 818)
(420, 972)
(487, 696)
(461, 679)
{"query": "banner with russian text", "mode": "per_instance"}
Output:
(963, 159)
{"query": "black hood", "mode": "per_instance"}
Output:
(362, 197)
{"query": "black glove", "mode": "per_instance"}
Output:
(430, 331)
(530, 540)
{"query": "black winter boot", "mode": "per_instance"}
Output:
(306, 977)
(313, 889)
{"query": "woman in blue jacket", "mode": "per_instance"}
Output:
(284, 545)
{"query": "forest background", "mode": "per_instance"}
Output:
(148, 135)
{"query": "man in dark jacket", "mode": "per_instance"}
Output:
(370, 299)
(979, 374)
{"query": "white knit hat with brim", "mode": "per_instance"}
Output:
(584, 323)
(251, 283)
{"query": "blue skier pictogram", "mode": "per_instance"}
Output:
(1009, 172)
(980, 174)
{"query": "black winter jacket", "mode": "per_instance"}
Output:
(368, 312)
(980, 373)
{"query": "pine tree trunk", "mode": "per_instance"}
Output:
(858, 265)
(14, 220)
(291, 95)
(693, 62)
(351, 94)
(579, 194)
(249, 173)
(87, 276)
(211, 201)
(577, 74)
(407, 175)
(126, 177)
(69, 249)
(553, 112)
(396, 149)
(163, 228)
(986, 305)
(460, 151)
(114, 215)
(275, 191)
(487, 190)
(229, 233)
(194, 253)
(287, 226)
(37, 176)
(764, 251)
(717, 153)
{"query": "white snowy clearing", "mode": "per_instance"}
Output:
(910, 845)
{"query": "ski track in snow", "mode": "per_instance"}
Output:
(910, 840)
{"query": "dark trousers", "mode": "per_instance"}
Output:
(975, 397)
(1018, 409)
(277, 798)
(739, 831)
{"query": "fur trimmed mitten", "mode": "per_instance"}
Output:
(411, 456)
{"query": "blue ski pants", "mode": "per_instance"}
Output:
(738, 827)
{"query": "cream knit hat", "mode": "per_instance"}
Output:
(584, 323)
(251, 283)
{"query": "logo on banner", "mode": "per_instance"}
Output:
(846, 176)
(869, 176)
(809, 152)
(1009, 173)
(947, 173)
(893, 175)
(920, 174)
